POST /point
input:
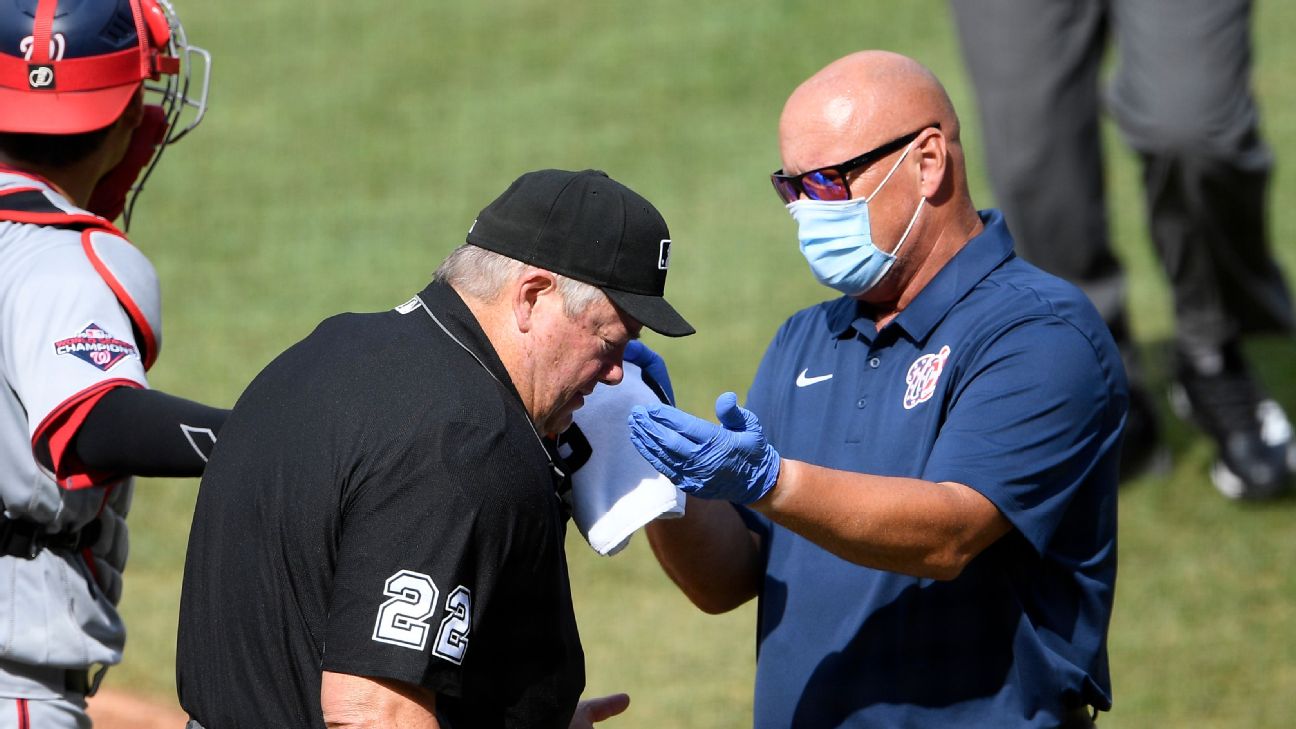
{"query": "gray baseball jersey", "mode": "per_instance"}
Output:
(79, 315)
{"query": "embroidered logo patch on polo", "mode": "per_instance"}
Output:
(922, 377)
(96, 346)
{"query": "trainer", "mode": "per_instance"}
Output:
(929, 461)
(378, 540)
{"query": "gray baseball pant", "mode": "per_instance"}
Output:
(1181, 96)
(56, 713)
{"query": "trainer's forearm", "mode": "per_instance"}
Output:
(904, 525)
(710, 554)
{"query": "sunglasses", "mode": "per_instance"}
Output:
(829, 183)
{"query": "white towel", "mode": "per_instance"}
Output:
(614, 491)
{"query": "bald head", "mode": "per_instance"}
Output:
(924, 216)
(857, 103)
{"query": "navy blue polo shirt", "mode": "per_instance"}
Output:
(997, 376)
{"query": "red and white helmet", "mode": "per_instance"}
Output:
(71, 66)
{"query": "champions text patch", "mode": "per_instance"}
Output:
(96, 346)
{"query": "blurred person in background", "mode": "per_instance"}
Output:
(1181, 95)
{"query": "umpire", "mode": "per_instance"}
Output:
(378, 539)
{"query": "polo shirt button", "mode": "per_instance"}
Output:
(861, 402)
(875, 362)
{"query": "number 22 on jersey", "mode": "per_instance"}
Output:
(403, 618)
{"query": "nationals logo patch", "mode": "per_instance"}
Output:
(922, 377)
(96, 346)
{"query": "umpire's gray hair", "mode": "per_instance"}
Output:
(482, 274)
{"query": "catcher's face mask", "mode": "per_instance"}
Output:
(180, 97)
(73, 67)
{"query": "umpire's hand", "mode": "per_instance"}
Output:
(590, 711)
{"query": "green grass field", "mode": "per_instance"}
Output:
(349, 147)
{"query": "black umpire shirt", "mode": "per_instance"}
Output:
(378, 504)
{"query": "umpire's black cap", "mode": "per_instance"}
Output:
(591, 228)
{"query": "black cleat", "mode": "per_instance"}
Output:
(1255, 453)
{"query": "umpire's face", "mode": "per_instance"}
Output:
(571, 355)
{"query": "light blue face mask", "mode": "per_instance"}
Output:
(837, 240)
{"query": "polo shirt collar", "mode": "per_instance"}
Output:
(981, 255)
(450, 309)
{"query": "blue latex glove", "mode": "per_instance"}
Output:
(637, 353)
(731, 461)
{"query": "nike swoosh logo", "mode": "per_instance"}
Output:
(803, 381)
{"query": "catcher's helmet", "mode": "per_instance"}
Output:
(71, 66)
